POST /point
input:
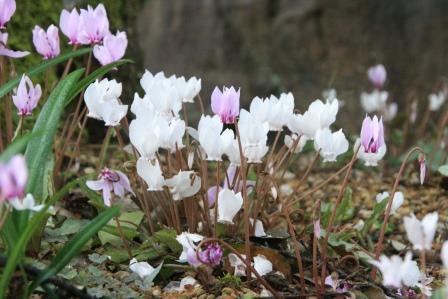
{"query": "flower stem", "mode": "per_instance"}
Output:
(125, 242)
(296, 250)
(379, 244)
(215, 234)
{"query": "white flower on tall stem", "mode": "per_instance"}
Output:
(396, 204)
(421, 232)
(318, 116)
(330, 145)
(275, 111)
(187, 90)
(229, 204)
(213, 140)
(170, 133)
(376, 101)
(101, 98)
(145, 141)
(254, 136)
(151, 173)
(184, 184)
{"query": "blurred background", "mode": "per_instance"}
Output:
(270, 46)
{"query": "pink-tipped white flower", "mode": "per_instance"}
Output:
(142, 269)
(226, 104)
(151, 173)
(330, 145)
(396, 204)
(26, 96)
(189, 244)
(184, 184)
(254, 137)
(377, 75)
(101, 98)
(397, 271)
(46, 43)
(8, 52)
(318, 116)
(421, 232)
(274, 111)
(212, 139)
(229, 204)
(69, 24)
(94, 25)
(111, 180)
(13, 178)
(7, 9)
(372, 145)
(112, 49)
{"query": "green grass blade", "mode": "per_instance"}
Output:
(75, 245)
(40, 68)
(39, 149)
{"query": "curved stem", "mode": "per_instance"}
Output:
(379, 244)
(296, 251)
(248, 264)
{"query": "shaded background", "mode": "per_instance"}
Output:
(269, 46)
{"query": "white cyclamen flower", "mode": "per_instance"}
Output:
(170, 133)
(396, 271)
(398, 200)
(436, 100)
(229, 204)
(262, 265)
(258, 228)
(189, 244)
(444, 254)
(184, 184)
(142, 269)
(375, 101)
(318, 116)
(212, 139)
(330, 145)
(27, 203)
(275, 111)
(187, 90)
(238, 264)
(150, 172)
(145, 140)
(421, 233)
(254, 136)
(101, 98)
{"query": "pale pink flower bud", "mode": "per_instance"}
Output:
(26, 96)
(46, 43)
(226, 104)
(377, 75)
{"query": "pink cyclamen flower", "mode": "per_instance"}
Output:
(226, 104)
(93, 25)
(211, 255)
(111, 180)
(373, 147)
(112, 49)
(7, 52)
(26, 96)
(46, 43)
(377, 75)
(422, 162)
(13, 178)
(7, 9)
(69, 24)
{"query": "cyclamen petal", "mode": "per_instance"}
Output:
(94, 25)
(7, 52)
(262, 265)
(13, 178)
(69, 24)
(142, 269)
(421, 233)
(226, 104)
(7, 9)
(330, 145)
(444, 254)
(184, 184)
(26, 96)
(113, 48)
(229, 204)
(152, 174)
(318, 116)
(396, 204)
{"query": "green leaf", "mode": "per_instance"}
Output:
(16, 255)
(98, 73)
(110, 234)
(444, 170)
(75, 245)
(41, 68)
(39, 150)
(345, 210)
(168, 237)
(379, 209)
